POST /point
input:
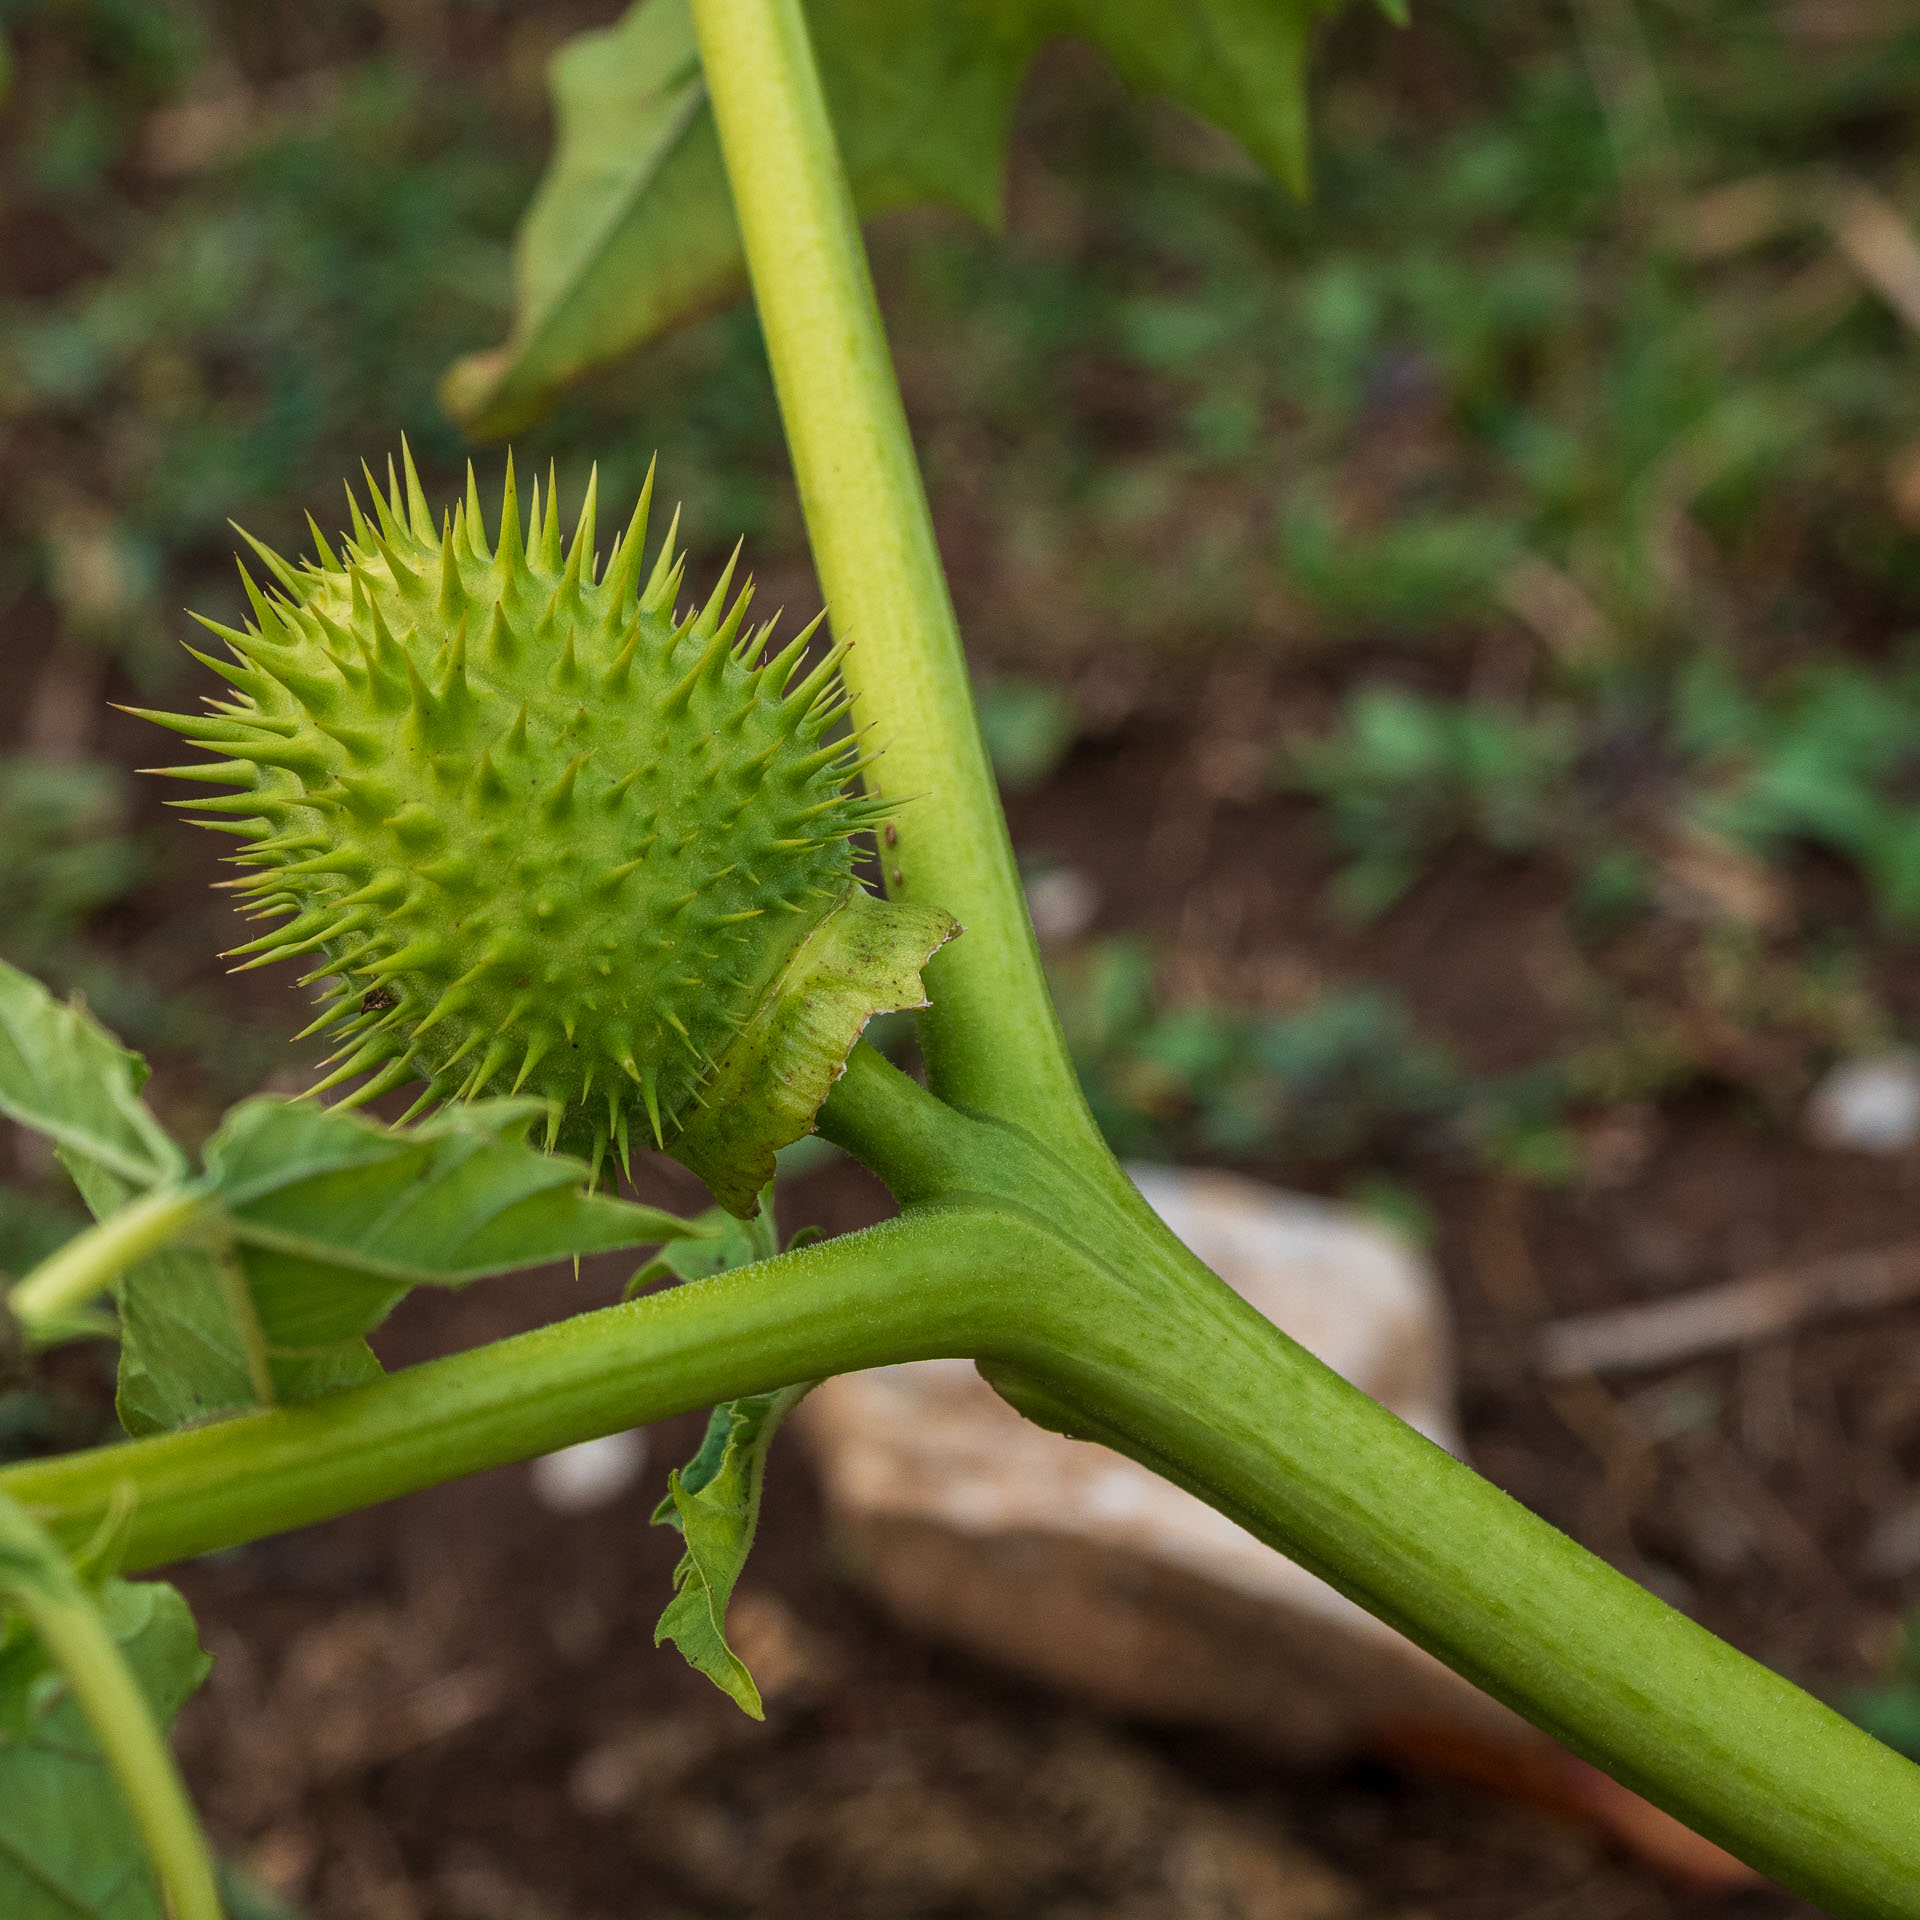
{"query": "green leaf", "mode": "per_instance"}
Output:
(330, 1220)
(714, 1500)
(724, 1242)
(633, 230)
(69, 1849)
(64, 1076)
(864, 958)
(460, 1196)
(191, 1346)
(1240, 63)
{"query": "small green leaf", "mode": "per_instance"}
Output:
(633, 229)
(714, 1500)
(64, 1076)
(69, 1849)
(724, 1242)
(329, 1220)
(864, 958)
(191, 1345)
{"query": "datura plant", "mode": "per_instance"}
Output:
(541, 834)
(582, 865)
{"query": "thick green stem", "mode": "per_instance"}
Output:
(1164, 1364)
(48, 1301)
(1138, 1346)
(991, 1039)
(1093, 1319)
(901, 1291)
(1130, 1341)
(36, 1578)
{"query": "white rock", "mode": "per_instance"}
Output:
(1068, 1562)
(1869, 1105)
(1062, 902)
(593, 1474)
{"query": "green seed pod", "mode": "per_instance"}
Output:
(543, 836)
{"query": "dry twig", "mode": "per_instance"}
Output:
(1627, 1339)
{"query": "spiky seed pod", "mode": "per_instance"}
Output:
(543, 836)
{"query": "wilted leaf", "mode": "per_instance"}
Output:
(633, 228)
(64, 1076)
(864, 958)
(69, 1849)
(715, 1502)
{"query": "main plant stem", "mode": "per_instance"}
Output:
(1135, 1344)
(1128, 1340)
(991, 1040)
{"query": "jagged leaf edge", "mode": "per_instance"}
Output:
(279, 1312)
(714, 1502)
(519, 1206)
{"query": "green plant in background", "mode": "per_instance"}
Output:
(245, 1288)
(1827, 760)
(65, 851)
(1404, 775)
(1027, 725)
(1418, 575)
(1342, 1077)
(1347, 1078)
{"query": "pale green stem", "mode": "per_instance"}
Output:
(906, 1290)
(51, 1297)
(991, 1039)
(35, 1576)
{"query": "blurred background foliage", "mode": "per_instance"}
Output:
(1558, 467)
